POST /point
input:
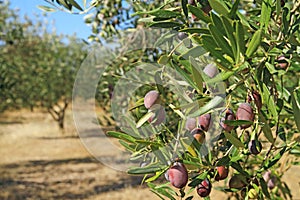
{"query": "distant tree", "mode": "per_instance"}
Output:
(38, 67)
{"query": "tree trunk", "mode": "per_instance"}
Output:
(58, 114)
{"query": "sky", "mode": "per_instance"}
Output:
(64, 22)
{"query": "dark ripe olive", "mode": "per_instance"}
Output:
(178, 175)
(237, 181)
(204, 121)
(257, 99)
(272, 182)
(254, 147)
(182, 35)
(206, 9)
(222, 173)
(192, 2)
(151, 98)
(210, 70)
(159, 115)
(267, 176)
(245, 112)
(227, 115)
(282, 3)
(190, 124)
(204, 188)
(282, 63)
(198, 134)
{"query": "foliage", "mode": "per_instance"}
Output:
(38, 67)
(255, 47)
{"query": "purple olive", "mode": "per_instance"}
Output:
(204, 121)
(210, 70)
(229, 115)
(254, 147)
(198, 134)
(190, 124)
(245, 112)
(272, 182)
(159, 115)
(178, 175)
(267, 176)
(151, 98)
(182, 35)
(222, 173)
(206, 9)
(204, 188)
(257, 99)
(192, 2)
(282, 62)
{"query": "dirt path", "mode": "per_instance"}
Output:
(38, 162)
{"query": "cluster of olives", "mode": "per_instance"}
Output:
(152, 103)
(177, 175)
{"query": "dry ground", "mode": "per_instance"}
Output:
(39, 162)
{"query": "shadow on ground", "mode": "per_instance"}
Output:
(60, 179)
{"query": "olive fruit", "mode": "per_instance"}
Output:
(269, 179)
(190, 124)
(229, 115)
(210, 70)
(252, 194)
(204, 188)
(237, 181)
(272, 182)
(192, 2)
(151, 98)
(204, 121)
(198, 134)
(245, 112)
(282, 62)
(222, 173)
(182, 35)
(178, 175)
(159, 115)
(257, 99)
(254, 147)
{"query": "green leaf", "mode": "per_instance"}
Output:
(65, 4)
(75, 4)
(196, 75)
(238, 122)
(265, 14)
(193, 52)
(152, 168)
(215, 102)
(296, 108)
(121, 136)
(233, 140)
(223, 161)
(269, 101)
(184, 7)
(196, 30)
(266, 129)
(254, 43)
(199, 13)
(210, 45)
(240, 169)
(156, 176)
(165, 24)
(164, 14)
(264, 188)
(46, 8)
(185, 76)
(240, 37)
(163, 60)
(228, 24)
(219, 6)
(220, 40)
(144, 119)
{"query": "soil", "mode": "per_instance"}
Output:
(38, 161)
